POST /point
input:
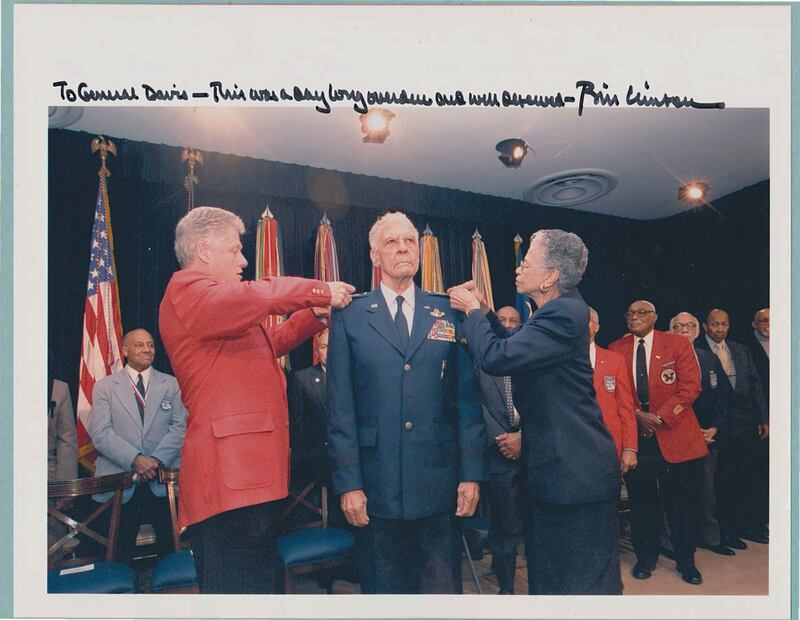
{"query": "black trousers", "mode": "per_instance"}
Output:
(416, 556)
(573, 549)
(234, 551)
(504, 495)
(143, 507)
(655, 484)
(740, 485)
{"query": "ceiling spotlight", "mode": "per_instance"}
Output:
(375, 125)
(512, 152)
(693, 193)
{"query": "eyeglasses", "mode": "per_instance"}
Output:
(640, 313)
(684, 325)
(763, 319)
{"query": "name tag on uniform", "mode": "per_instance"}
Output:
(610, 383)
(444, 330)
(166, 404)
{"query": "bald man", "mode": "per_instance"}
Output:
(748, 426)
(665, 379)
(508, 317)
(137, 423)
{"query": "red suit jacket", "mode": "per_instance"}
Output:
(613, 389)
(236, 450)
(674, 382)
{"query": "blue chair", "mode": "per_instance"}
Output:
(88, 575)
(315, 546)
(175, 573)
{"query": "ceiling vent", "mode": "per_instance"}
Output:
(571, 187)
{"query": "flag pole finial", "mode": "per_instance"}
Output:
(427, 230)
(476, 235)
(267, 215)
(517, 238)
(194, 157)
(105, 147)
(325, 221)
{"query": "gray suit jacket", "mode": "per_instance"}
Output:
(62, 442)
(117, 431)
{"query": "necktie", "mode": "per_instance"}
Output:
(401, 324)
(642, 388)
(724, 355)
(512, 419)
(140, 389)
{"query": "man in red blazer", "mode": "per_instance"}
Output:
(613, 390)
(235, 458)
(666, 381)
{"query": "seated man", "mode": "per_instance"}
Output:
(62, 449)
(137, 423)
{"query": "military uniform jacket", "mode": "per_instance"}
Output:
(404, 426)
(568, 453)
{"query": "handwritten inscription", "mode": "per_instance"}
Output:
(587, 94)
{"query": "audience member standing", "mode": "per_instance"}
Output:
(711, 409)
(748, 426)
(666, 380)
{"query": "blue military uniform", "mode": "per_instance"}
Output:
(404, 423)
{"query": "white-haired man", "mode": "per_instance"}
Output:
(406, 437)
(235, 458)
(711, 409)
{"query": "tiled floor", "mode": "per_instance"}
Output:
(744, 573)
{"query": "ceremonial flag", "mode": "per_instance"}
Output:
(480, 269)
(269, 259)
(326, 261)
(101, 353)
(522, 303)
(431, 264)
(376, 276)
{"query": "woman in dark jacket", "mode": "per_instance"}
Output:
(569, 458)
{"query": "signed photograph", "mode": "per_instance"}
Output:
(436, 303)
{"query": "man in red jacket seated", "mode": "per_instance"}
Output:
(613, 389)
(235, 458)
(666, 382)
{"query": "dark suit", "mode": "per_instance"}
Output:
(761, 360)
(711, 409)
(504, 490)
(308, 426)
(404, 425)
(740, 512)
(571, 465)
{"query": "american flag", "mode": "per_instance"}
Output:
(101, 353)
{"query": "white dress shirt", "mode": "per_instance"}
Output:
(593, 353)
(648, 349)
(134, 375)
(409, 297)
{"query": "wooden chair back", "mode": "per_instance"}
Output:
(168, 476)
(301, 499)
(70, 489)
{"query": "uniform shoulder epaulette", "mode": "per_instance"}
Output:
(358, 295)
(434, 294)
